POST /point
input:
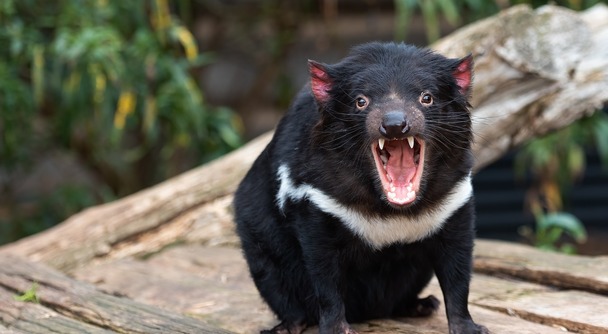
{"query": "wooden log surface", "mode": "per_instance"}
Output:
(585, 273)
(536, 70)
(212, 283)
(69, 306)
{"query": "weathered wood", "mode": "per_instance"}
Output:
(549, 268)
(536, 70)
(562, 310)
(4, 330)
(576, 311)
(214, 284)
(70, 306)
(37, 319)
(207, 283)
(210, 224)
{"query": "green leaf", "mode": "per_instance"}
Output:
(601, 136)
(403, 11)
(30, 295)
(576, 161)
(568, 249)
(476, 5)
(431, 21)
(448, 7)
(567, 222)
(552, 235)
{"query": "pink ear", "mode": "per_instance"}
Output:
(464, 74)
(320, 82)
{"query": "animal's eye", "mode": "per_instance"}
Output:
(426, 99)
(361, 102)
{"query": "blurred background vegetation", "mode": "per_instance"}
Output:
(102, 98)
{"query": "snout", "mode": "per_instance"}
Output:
(395, 119)
(394, 125)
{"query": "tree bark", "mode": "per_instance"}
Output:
(535, 71)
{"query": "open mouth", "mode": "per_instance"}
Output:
(399, 163)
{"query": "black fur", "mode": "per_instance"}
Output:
(307, 264)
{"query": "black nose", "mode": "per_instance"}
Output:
(394, 125)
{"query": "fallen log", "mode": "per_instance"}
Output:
(60, 304)
(536, 71)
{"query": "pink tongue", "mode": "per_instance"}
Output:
(400, 165)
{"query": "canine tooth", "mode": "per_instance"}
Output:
(410, 140)
(381, 143)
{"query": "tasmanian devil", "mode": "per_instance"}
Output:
(364, 192)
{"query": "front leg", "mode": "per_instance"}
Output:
(324, 270)
(321, 254)
(453, 265)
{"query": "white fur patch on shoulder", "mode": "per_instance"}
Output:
(377, 231)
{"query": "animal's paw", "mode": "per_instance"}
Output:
(468, 327)
(482, 330)
(346, 329)
(284, 328)
(340, 328)
(422, 307)
(426, 306)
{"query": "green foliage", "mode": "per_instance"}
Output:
(555, 162)
(560, 156)
(551, 229)
(113, 81)
(30, 295)
(434, 10)
(16, 109)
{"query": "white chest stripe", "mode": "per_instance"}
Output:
(375, 230)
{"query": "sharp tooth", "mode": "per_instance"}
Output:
(410, 140)
(381, 143)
